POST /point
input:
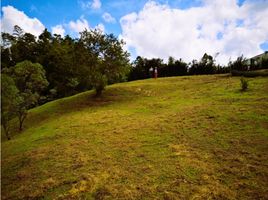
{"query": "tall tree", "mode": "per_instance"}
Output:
(24, 48)
(110, 63)
(6, 53)
(239, 64)
(17, 31)
(206, 65)
(30, 80)
(9, 102)
(138, 70)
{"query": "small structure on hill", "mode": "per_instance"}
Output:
(257, 59)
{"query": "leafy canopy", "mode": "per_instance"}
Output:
(110, 63)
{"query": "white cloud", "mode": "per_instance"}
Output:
(100, 27)
(11, 17)
(217, 26)
(58, 29)
(95, 4)
(79, 25)
(108, 18)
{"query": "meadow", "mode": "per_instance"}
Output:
(189, 137)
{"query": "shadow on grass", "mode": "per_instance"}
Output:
(75, 103)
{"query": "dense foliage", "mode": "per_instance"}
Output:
(71, 65)
(141, 67)
(9, 102)
(30, 80)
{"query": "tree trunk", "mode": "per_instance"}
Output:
(8, 138)
(98, 92)
(21, 122)
(22, 117)
(5, 126)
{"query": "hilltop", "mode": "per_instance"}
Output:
(190, 137)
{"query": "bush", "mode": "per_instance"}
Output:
(244, 84)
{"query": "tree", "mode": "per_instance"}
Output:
(240, 64)
(24, 48)
(194, 67)
(30, 80)
(109, 62)
(9, 102)
(17, 47)
(171, 60)
(138, 70)
(263, 63)
(61, 66)
(43, 48)
(174, 68)
(6, 53)
(17, 31)
(207, 65)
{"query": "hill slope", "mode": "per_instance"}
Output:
(193, 137)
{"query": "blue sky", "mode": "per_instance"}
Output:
(153, 28)
(53, 12)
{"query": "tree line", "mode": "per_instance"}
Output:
(206, 65)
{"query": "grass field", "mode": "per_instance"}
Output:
(193, 137)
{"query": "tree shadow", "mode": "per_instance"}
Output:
(76, 103)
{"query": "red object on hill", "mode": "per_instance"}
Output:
(155, 73)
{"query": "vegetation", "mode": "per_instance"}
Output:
(30, 80)
(207, 65)
(110, 64)
(240, 64)
(9, 102)
(190, 137)
(51, 67)
(71, 65)
(244, 84)
(263, 63)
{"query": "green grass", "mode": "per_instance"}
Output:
(194, 137)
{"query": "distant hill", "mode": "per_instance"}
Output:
(191, 137)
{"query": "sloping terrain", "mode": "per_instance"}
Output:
(195, 137)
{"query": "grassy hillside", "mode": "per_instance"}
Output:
(193, 137)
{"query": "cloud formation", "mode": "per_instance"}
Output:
(108, 18)
(75, 27)
(217, 26)
(79, 25)
(58, 29)
(11, 17)
(100, 27)
(95, 4)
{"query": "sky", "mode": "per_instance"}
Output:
(152, 28)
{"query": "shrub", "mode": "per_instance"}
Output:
(244, 84)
